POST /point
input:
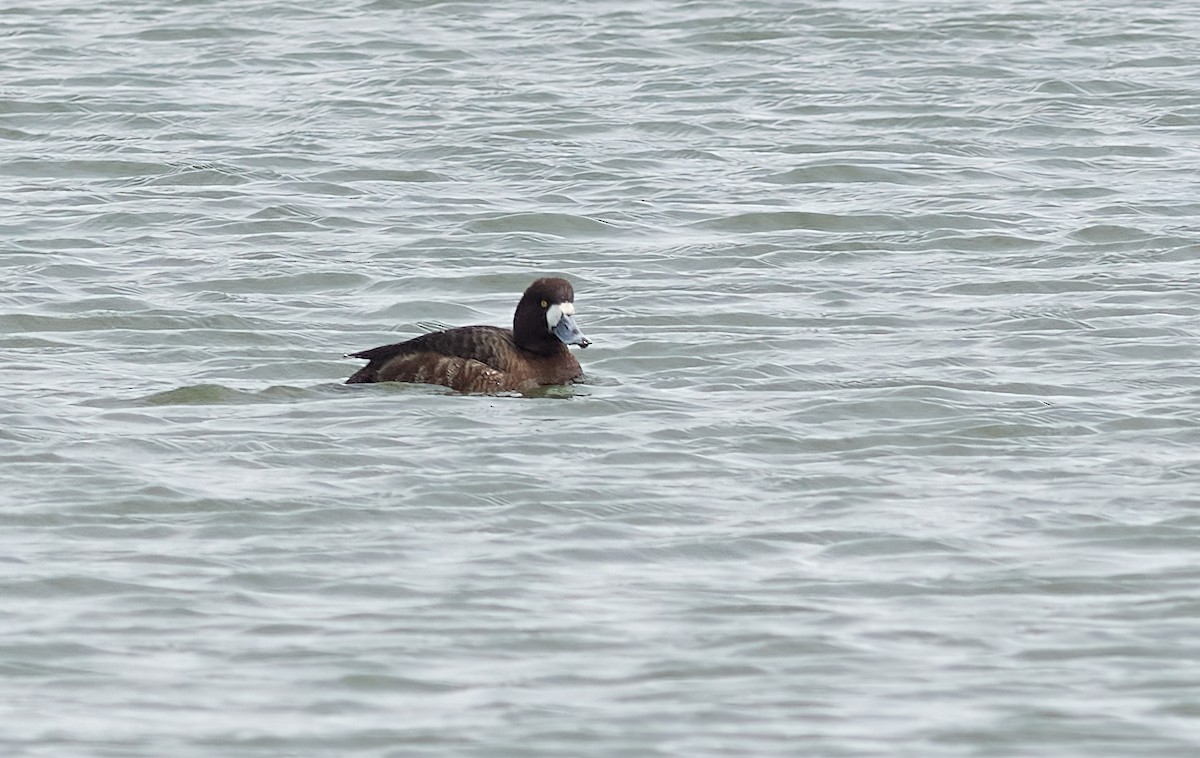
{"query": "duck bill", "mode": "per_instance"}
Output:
(567, 331)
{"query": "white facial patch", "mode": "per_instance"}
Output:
(555, 313)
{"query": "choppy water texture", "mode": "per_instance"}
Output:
(889, 439)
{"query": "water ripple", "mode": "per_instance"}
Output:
(887, 436)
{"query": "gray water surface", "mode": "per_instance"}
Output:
(888, 443)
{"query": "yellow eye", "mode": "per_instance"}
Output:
(545, 304)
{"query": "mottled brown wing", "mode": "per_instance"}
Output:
(452, 358)
(462, 374)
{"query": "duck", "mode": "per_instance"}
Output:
(490, 359)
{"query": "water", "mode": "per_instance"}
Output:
(888, 443)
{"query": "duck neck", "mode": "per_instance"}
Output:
(530, 332)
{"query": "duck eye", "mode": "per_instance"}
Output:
(545, 304)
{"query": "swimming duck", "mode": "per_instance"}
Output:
(487, 359)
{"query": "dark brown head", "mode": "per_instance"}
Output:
(544, 320)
